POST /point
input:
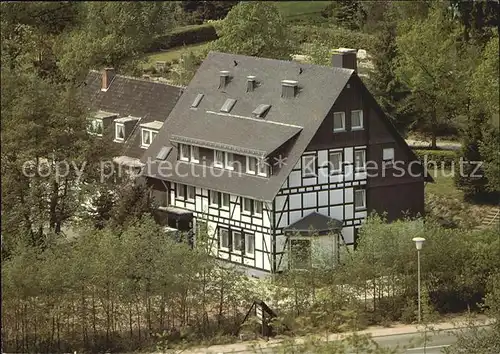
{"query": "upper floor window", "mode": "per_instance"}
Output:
(224, 238)
(148, 137)
(190, 192)
(225, 201)
(251, 165)
(257, 207)
(336, 162)
(359, 198)
(181, 191)
(309, 166)
(228, 160)
(119, 132)
(388, 155)
(356, 119)
(214, 198)
(359, 159)
(218, 158)
(247, 205)
(339, 121)
(262, 168)
(95, 127)
(184, 152)
(195, 154)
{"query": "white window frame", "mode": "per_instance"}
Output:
(183, 152)
(178, 188)
(357, 127)
(218, 162)
(190, 196)
(219, 233)
(247, 236)
(343, 129)
(255, 204)
(194, 153)
(93, 124)
(262, 168)
(363, 191)
(120, 126)
(339, 170)
(390, 151)
(152, 134)
(228, 198)
(243, 209)
(360, 168)
(241, 248)
(248, 165)
(305, 166)
(228, 160)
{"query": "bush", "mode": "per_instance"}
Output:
(446, 157)
(335, 37)
(184, 36)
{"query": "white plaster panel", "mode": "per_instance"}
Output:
(204, 192)
(348, 155)
(266, 239)
(283, 221)
(248, 262)
(348, 233)
(265, 221)
(295, 201)
(223, 255)
(348, 212)
(199, 204)
(323, 158)
(323, 211)
(309, 200)
(280, 243)
(310, 181)
(298, 165)
(224, 213)
(360, 175)
(267, 262)
(236, 258)
(336, 178)
(360, 214)
(323, 198)
(294, 216)
(294, 179)
(258, 260)
(323, 175)
(258, 240)
(336, 196)
(236, 210)
(285, 184)
(280, 202)
(348, 172)
(246, 218)
(336, 212)
(349, 195)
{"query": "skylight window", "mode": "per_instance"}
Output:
(228, 105)
(261, 110)
(197, 100)
(162, 155)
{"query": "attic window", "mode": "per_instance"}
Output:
(261, 110)
(228, 105)
(162, 155)
(197, 100)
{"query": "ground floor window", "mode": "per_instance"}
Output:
(300, 253)
(249, 244)
(224, 238)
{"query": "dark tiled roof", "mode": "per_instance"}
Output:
(128, 96)
(315, 222)
(248, 136)
(318, 90)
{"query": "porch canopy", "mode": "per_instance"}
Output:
(314, 223)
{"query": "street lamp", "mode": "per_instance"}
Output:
(419, 241)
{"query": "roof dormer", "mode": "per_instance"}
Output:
(124, 127)
(149, 132)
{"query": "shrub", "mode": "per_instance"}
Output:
(446, 157)
(185, 36)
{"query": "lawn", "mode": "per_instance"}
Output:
(444, 185)
(172, 53)
(299, 8)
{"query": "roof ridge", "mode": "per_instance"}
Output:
(141, 79)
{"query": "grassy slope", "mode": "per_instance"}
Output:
(173, 53)
(298, 8)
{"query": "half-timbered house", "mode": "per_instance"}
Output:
(261, 151)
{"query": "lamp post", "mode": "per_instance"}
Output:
(419, 241)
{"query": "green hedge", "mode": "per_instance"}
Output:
(439, 156)
(335, 37)
(184, 36)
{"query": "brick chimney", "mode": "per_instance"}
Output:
(345, 58)
(108, 74)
